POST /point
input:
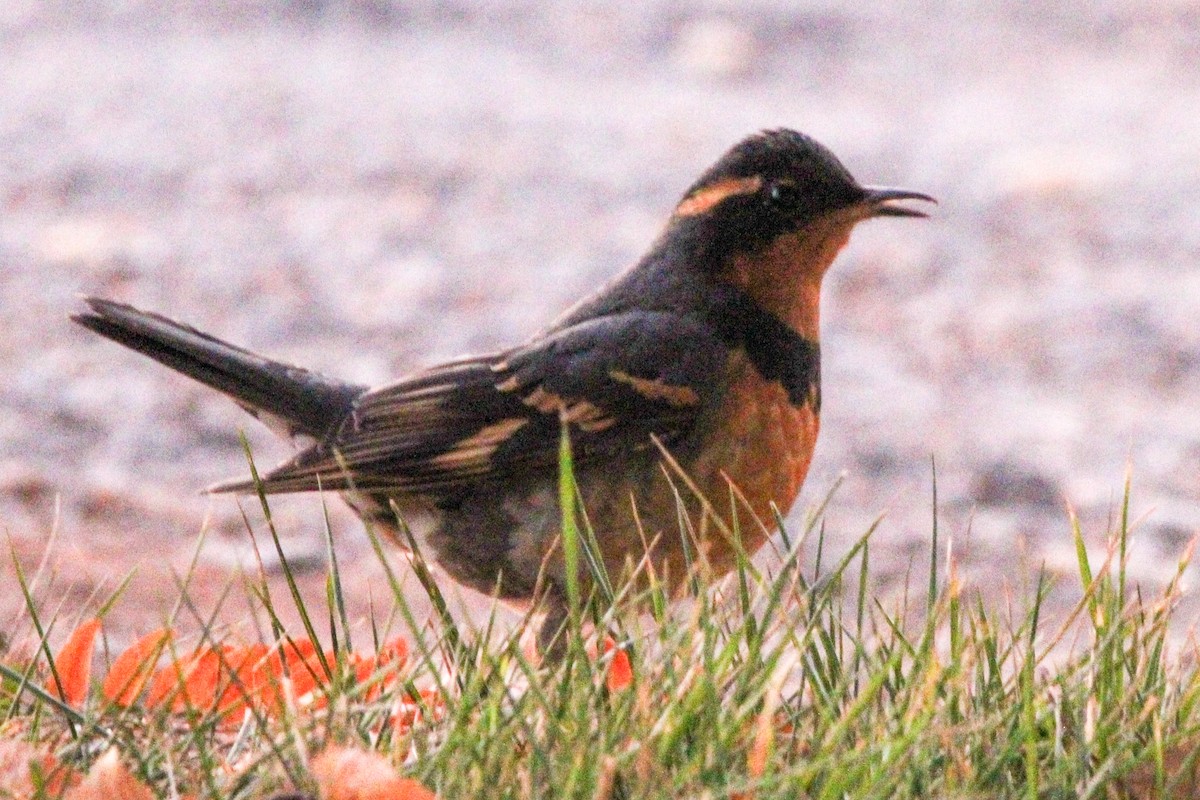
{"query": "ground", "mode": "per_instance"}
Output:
(364, 188)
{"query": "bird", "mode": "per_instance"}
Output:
(689, 386)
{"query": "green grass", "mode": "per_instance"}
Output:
(771, 684)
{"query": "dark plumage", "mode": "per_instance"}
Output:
(709, 344)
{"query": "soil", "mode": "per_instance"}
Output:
(364, 188)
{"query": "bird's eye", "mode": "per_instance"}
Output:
(782, 194)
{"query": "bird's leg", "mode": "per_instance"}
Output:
(553, 633)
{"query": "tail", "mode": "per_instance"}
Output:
(288, 399)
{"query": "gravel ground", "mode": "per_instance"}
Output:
(364, 188)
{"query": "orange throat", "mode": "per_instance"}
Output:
(766, 439)
(785, 278)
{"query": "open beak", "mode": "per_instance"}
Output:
(880, 200)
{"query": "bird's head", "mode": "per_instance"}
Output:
(777, 183)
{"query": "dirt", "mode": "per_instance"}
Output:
(365, 188)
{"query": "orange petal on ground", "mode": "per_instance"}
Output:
(297, 650)
(108, 779)
(394, 651)
(227, 679)
(131, 671)
(240, 678)
(167, 680)
(305, 670)
(18, 761)
(265, 671)
(394, 654)
(346, 773)
(190, 682)
(207, 683)
(266, 680)
(74, 664)
(410, 710)
(57, 776)
(760, 750)
(620, 670)
(365, 667)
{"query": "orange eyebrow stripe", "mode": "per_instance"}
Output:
(703, 199)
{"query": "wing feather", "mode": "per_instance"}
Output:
(615, 380)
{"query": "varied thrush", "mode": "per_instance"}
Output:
(694, 374)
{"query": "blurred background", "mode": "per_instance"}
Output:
(366, 187)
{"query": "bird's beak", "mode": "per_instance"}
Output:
(879, 201)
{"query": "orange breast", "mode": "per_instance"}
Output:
(763, 445)
(756, 440)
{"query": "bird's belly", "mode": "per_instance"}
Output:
(404, 520)
(754, 460)
(751, 460)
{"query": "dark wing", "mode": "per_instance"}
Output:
(290, 400)
(616, 380)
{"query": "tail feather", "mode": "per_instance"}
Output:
(306, 402)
